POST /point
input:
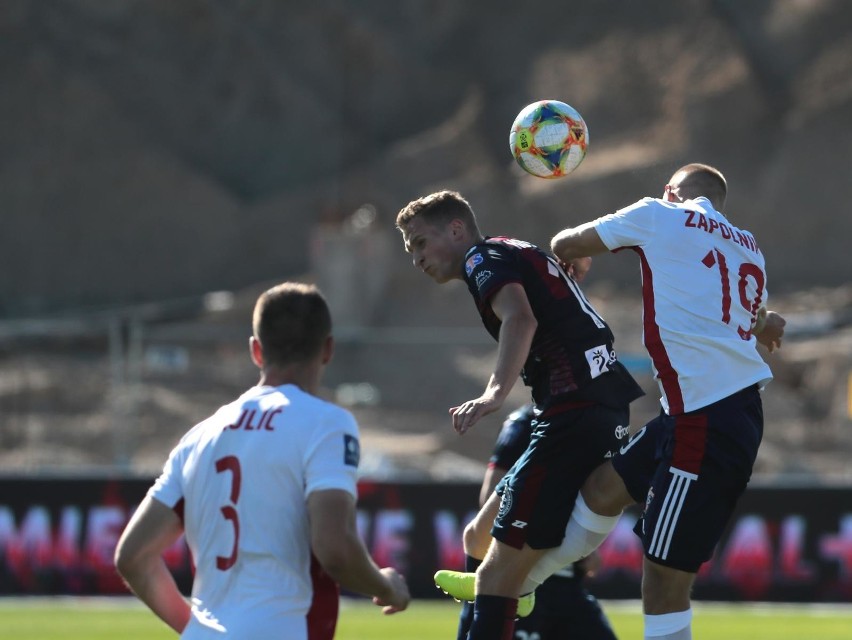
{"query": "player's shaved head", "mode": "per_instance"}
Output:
(694, 180)
(291, 321)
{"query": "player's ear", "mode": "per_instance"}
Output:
(328, 350)
(457, 227)
(256, 352)
(670, 193)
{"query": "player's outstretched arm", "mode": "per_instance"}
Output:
(339, 549)
(517, 329)
(577, 242)
(153, 528)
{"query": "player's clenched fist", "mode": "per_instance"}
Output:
(398, 597)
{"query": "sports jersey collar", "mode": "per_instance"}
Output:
(475, 245)
(701, 200)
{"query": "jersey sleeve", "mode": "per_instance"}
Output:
(332, 460)
(631, 226)
(489, 268)
(168, 487)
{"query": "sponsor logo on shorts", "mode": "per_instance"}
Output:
(622, 432)
(519, 524)
(633, 440)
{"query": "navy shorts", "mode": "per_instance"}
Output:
(689, 471)
(538, 492)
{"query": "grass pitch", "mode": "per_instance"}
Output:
(99, 618)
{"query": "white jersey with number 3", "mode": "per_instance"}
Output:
(243, 477)
(703, 281)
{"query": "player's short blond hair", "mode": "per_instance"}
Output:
(439, 208)
(696, 179)
(291, 321)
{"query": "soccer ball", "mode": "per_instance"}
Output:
(549, 139)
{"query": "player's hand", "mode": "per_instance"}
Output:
(578, 268)
(399, 597)
(771, 329)
(468, 414)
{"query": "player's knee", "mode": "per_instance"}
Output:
(604, 491)
(476, 539)
(665, 589)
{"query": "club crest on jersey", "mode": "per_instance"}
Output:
(599, 359)
(351, 451)
(471, 263)
(482, 277)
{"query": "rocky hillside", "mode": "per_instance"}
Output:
(158, 151)
(153, 150)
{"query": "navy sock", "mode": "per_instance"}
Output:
(471, 564)
(493, 618)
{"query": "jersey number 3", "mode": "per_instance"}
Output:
(748, 271)
(229, 512)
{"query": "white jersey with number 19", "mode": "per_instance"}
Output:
(703, 282)
(243, 477)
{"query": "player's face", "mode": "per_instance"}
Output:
(436, 249)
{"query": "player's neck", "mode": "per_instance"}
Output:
(306, 377)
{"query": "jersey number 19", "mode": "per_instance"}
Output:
(747, 271)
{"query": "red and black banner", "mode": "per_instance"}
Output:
(57, 536)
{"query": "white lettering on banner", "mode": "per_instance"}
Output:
(448, 529)
(33, 546)
(104, 526)
(779, 545)
(760, 553)
(391, 537)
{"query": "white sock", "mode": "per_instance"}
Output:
(669, 626)
(584, 533)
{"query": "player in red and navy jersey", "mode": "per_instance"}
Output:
(704, 288)
(548, 333)
(564, 608)
(265, 491)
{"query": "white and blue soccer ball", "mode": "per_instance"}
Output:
(549, 139)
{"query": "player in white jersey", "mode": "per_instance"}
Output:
(704, 293)
(265, 491)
